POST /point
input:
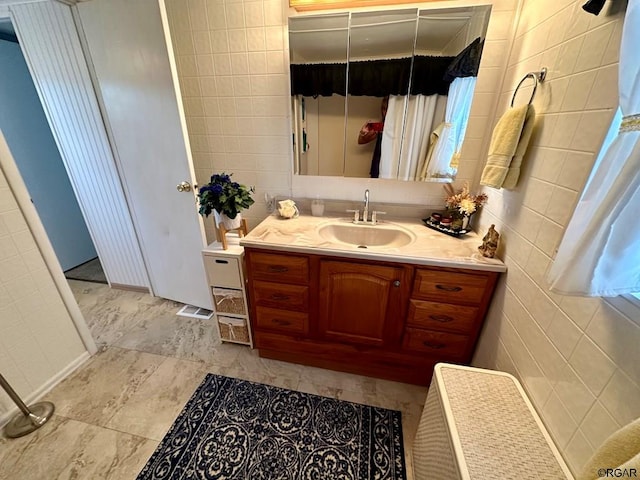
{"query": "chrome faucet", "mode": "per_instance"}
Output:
(365, 212)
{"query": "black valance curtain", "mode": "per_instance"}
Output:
(312, 80)
(379, 78)
(467, 62)
(376, 78)
(428, 75)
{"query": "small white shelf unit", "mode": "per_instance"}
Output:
(227, 287)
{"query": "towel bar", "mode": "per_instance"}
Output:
(537, 77)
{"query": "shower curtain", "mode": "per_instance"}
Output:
(401, 160)
(444, 161)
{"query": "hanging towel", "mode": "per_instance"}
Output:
(508, 145)
(620, 451)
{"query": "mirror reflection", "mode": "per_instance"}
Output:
(383, 94)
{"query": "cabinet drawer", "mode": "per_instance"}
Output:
(281, 295)
(436, 343)
(442, 316)
(283, 320)
(280, 268)
(452, 287)
(223, 271)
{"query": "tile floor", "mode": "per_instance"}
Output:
(114, 410)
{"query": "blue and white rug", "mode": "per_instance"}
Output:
(234, 429)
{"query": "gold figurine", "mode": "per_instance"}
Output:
(489, 243)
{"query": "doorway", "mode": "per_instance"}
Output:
(28, 134)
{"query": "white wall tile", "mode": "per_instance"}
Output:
(591, 130)
(561, 425)
(593, 366)
(274, 38)
(201, 42)
(254, 14)
(598, 424)
(617, 336)
(219, 41)
(235, 15)
(256, 40)
(620, 398)
(573, 393)
(257, 63)
(204, 63)
(593, 48)
(578, 451)
(564, 334)
(237, 40)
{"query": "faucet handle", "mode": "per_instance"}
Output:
(356, 215)
(374, 216)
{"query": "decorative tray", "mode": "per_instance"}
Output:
(445, 230)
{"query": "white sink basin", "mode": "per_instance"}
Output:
(365, 236)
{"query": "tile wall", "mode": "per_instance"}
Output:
(37, 337)
(578, 358)
(232, 60)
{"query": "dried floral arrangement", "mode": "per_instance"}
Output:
(463, 202)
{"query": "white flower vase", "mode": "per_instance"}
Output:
(465, 222)
(228, 223)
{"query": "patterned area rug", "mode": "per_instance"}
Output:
(234, 429)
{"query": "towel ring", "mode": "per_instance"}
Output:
(537, 77)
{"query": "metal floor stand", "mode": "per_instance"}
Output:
(30, 418)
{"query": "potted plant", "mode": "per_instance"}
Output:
(461, 205)
(226, 198)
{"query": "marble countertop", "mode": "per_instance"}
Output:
(430, 247)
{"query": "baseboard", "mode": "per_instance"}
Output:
(46, 387)
(132, 288)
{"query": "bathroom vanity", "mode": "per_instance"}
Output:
(388, 300)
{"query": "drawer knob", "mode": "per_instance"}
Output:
(447, 288)
(441, 318)
(279, 321)
(396, 283)
(435, 345)
(279, 297)
(277, 269)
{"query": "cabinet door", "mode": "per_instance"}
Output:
(360, 303)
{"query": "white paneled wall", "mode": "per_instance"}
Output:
(52, 49)
(577, 357)
(38, 340)
(233, 68)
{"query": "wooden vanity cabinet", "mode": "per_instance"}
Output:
(382, 319)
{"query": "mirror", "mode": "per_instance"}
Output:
(383, 94)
